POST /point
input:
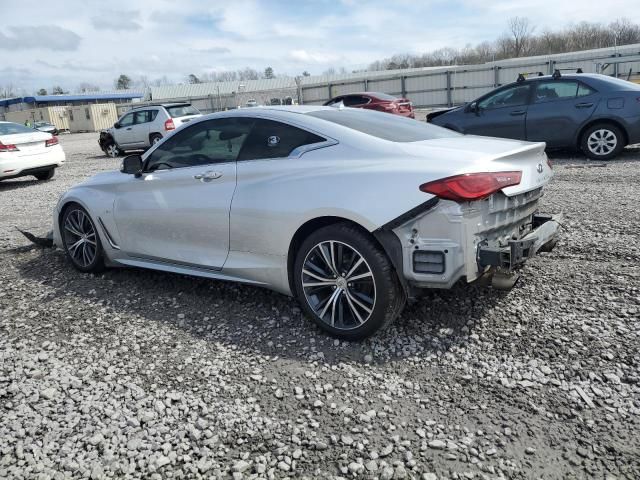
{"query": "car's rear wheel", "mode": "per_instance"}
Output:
(346, 283)
(155, 138)
(48, 175)
(602, 141)
(112, 150)
(81, 240)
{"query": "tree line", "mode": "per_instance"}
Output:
(521, 40)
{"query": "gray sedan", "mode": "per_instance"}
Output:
(351, 211)
(597, 114)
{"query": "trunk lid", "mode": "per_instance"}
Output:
(27, 143)
(472, 154)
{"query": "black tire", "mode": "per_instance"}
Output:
(602, 141)
(72, 214)
(48, 175)
(351, 321)
(154, 138)
(112, 150)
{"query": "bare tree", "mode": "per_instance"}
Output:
(520, 31)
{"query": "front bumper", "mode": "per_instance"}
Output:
(543, 236)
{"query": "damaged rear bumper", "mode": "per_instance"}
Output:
(541, 238)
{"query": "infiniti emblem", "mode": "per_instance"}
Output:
(273, 140)
(539, 168)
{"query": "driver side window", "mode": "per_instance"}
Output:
(208, 142)
(509, 97)
(127, 120)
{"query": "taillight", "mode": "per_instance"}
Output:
(471, 186)
(51, 142)
(8, 148)
(169, 125)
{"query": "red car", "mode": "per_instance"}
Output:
(376, 101)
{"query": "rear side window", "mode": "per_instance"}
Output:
(182, 111)
(352, 100)
(271, 139)
(383, 125)
(560, 90)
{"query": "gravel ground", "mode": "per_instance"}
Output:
(138, 374)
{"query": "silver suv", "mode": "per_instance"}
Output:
(144, 126)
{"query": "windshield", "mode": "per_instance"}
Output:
(182, 111)
(12, 128)
(384, 125)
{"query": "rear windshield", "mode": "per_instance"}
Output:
(11, 128)
(182, 111)
(383, 125)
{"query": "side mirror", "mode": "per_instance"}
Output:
(116, 125)
(131, 165)
(473, 107)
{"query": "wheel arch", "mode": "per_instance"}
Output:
(595, 121)
(385, 239)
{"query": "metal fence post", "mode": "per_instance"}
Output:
(449, 96)
(403, 86)
(329, 87)
(496, 76)
(366, 84)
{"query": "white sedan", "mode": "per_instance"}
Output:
(352, 211)
(25, 151)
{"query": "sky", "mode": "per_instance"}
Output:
(68, 42)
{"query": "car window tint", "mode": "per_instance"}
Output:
(182, 111)
(557, 90)
(509, 97)
(152, 115)
(584, 90)
(352, 100)
(383, 125)
(334, 101)
(270, 139)
(127, 120)
(212, 141)
(141, 117)
(10, 128)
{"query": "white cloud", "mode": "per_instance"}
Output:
(303, 56)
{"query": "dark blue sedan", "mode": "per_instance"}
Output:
(597, 114)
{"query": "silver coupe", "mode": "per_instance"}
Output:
(351, 211)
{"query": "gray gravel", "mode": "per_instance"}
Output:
(139, 374)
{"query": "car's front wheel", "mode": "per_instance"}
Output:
(346, 283)
(112, 150)
(81, 241)
(602, 141)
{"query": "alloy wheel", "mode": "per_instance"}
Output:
(112, 150)
(602, 142)
(338, 285)
(80, 238)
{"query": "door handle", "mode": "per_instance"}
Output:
(584, 105)
(129, 128)
(208, 176)
(515, 113)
